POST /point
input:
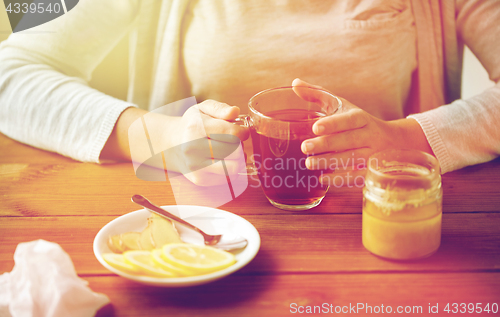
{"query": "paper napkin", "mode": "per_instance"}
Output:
(44, 283)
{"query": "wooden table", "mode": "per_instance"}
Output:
(306, 258)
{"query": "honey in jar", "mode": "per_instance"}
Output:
(402, 205)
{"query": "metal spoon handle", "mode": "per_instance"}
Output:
(144, 202)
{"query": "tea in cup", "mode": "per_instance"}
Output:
(280, 120)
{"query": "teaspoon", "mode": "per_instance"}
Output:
(217, 241)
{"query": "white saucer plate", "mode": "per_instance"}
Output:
(210, 220)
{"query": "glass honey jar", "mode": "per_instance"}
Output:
(402, 205)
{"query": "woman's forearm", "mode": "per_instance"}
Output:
(117, 146)
(133, 128)
(45, 100)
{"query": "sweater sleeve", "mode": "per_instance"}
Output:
(45, 100)
(466, 132)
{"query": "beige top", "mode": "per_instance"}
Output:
(234, 50)
(45, 100)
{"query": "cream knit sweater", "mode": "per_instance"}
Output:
(45, 100)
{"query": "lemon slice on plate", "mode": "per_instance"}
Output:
(157, 256)
(118, 262)
(143, 262)
(197, 259)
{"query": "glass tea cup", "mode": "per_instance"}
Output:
(280, 119)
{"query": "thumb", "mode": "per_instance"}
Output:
(299, 82)
(317, 94)
(302, 89)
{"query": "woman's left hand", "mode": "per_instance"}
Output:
(348, 138)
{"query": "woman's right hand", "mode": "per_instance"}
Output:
(203, 137)
(193, 144)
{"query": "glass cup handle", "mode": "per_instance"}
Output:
(244, 120)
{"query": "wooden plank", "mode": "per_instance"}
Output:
(293, 243)
(265, 295)
(74, 234)
(12, 151)
(70, 187)
(50, 185)
(65, 189)
(473, 189)
(74, 189)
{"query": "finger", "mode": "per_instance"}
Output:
(355, 159)
(219, 110)
(234, 167)
(338, 142)
(211, 167)
(316, 94)
(215, 151)
(199, 152)
(215, 128)
(221, 150)
(353, 118)
(349, 179)
(225, 138)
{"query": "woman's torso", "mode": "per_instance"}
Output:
(363, 51)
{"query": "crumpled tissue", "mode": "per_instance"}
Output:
(44, 283)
